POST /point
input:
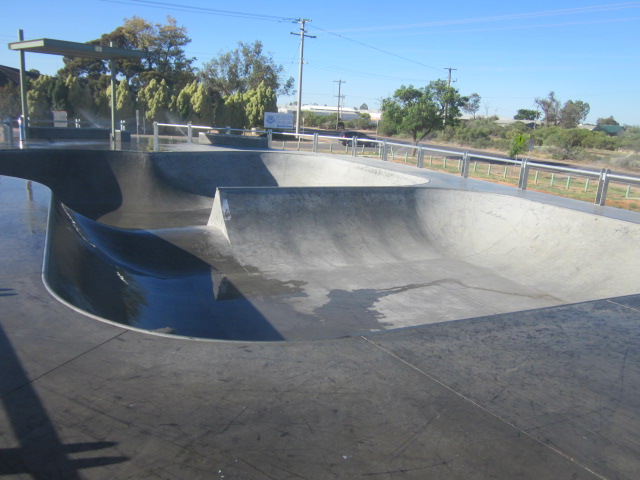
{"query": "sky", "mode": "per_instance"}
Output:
(509, 53)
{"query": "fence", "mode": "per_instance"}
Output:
(596, 182)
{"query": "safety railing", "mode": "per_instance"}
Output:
(190, 128)
(596, 182)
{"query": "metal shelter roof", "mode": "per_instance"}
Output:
(74, 49)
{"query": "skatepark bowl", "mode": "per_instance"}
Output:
(268, 246)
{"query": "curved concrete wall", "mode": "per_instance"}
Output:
(302, 246)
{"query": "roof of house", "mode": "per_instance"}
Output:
(10, 74)
(610, 129)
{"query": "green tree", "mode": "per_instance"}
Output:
(183, 101)
(125, 101)
(203, 103)
(164, 55)
(573, 113)
(244, 69)
(232, 112)
(79, 98)
(607, 121)
(518, 144)
(472, 105)
(364, 106)
(10, 101)
(526, 114)
(258, 101)
(155, 98)
(550, 107)
(419, 111)
(39, 97)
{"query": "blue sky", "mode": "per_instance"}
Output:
(507, 52)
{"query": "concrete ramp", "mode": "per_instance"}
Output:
(269, 246)
(571, 255)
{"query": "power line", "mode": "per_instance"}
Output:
(377, 49)
(203, 10)
(508, 17)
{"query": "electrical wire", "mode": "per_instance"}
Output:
(375, 48)
(203, 10)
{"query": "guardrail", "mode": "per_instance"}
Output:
(190, 128)
(385, 148)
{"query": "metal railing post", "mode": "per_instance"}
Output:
(22, 128)
(420, 157)
(384, 150)
(189, 133)
(465, 164)
(524, 175)
(269, 138)
(354, 146)
(155, 136)
(603, 185)
(315, 143)
(8, 131)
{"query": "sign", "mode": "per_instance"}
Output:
(278, 120)
(59, 118)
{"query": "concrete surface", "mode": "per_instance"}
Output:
(240, 141)
(546, 393)
(284, 246)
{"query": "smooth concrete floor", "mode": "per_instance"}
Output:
(543, 394)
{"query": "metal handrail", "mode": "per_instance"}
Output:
(604, 176)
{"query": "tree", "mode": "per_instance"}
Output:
(472, 105)
(573, 113)
(203, 103)
(364, 106)
(419, 111)
(258, 101)
(79, 98)
(164, 47)
(10, 101)
(125, 101)
(550, 107)
(518, 144)
(39, 97)
(232, 113)
(164, 54)
(526, 114)
(244, 69)
(155, 98)
(607, 121)
(182, 104)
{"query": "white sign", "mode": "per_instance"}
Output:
(278, 120)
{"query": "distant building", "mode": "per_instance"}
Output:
(346, 114)
(612, 130)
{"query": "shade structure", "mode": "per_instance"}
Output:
(74, 49)
(71, 49)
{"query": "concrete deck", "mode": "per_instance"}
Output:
(545, 393)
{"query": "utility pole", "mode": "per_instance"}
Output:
(339, 82)
(302, 34)
(449, 68)
(446, 107)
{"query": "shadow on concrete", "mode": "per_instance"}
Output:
(136, 278)
(41, 453)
